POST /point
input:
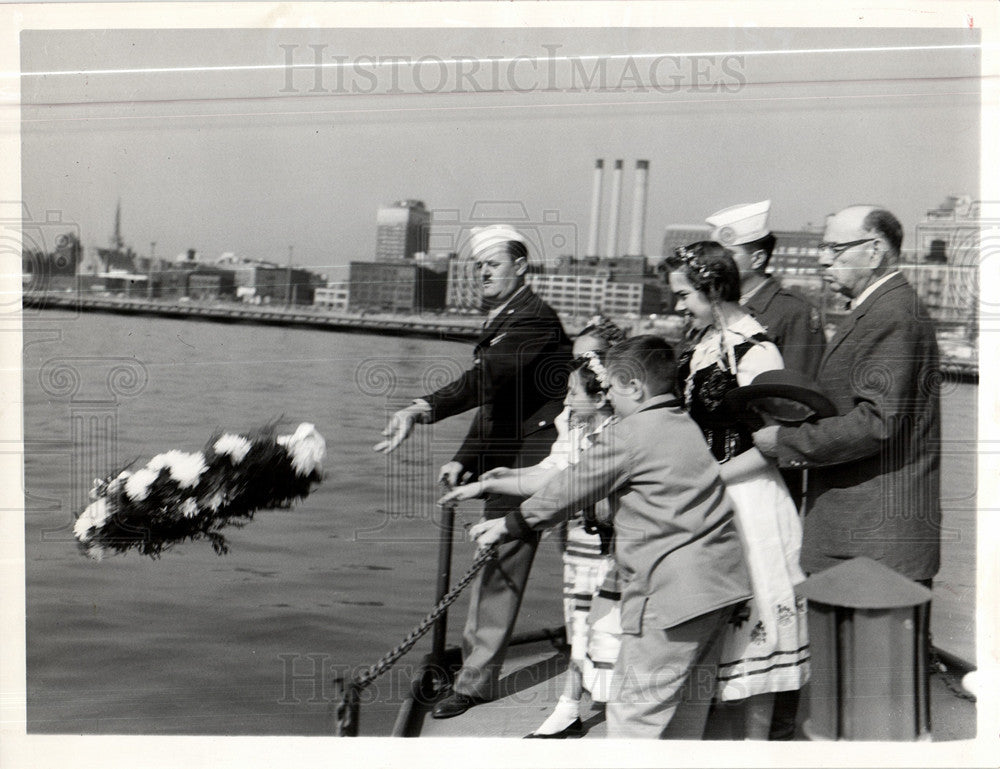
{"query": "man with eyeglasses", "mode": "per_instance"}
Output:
(874, 480)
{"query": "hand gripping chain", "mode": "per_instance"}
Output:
(345, 721)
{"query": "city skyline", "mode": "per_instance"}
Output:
(253, 161)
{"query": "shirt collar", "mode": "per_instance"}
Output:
(663, 400)
(856, 303)
(744, 298)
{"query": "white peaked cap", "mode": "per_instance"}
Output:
(484, 238)
(740, 224)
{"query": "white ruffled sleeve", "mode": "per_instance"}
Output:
(763, 356)
(561, 453)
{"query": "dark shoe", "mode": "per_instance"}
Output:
(571, 732)
(454, 705)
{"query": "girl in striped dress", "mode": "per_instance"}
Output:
(588, 567)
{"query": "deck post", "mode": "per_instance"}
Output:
(443, 578)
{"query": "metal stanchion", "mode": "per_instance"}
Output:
(443, 578)
(869, 649)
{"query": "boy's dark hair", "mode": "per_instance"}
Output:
(648, 359)
(710, 268)
(603, 328)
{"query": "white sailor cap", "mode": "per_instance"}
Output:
(484, 238)
(740, 224)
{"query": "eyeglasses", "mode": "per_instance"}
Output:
(839, 248)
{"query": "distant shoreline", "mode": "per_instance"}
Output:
(958, 357)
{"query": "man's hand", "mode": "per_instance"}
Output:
(400, 425)
(496, 472)
(766, 440)
(452, 473)
(489, 532)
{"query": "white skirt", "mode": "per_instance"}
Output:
(769, 651)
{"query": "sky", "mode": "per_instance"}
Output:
(210, 141)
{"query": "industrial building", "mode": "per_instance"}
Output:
(334, 296)
(395, 287)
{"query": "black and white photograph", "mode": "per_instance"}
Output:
(592, 372)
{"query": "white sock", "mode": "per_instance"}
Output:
(566, 712)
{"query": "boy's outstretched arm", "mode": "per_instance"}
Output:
(602, 469)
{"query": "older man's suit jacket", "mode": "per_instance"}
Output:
(875, 489)
(517, 381)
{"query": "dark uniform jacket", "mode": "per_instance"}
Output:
(517, 381)
(876, 487)
(792, 323)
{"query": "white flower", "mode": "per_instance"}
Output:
(115, 486)
(595, 365)
(184, 468)
(158, 462)
(189, 508)
(94, 516)
(217, 500)
(97, 488)
(137, 486)
(236, 446)
(306, 448)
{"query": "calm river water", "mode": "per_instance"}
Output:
(195, 643)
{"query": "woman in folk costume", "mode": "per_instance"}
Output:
(589, 573)
(766, 651)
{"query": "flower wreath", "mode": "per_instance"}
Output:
(180, 496)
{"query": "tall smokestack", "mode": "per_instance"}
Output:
(637, 236)
(616, 202)
(595, 210)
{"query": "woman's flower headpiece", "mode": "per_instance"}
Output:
(692, 259)
(595, 365)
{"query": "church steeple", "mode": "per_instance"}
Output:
(117, 242)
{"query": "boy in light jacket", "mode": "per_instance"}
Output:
(675, 544)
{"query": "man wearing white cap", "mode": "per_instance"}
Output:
(516, 382)
(792, 323)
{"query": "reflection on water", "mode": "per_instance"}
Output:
(195, 643)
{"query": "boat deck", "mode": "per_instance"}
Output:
(532, 681)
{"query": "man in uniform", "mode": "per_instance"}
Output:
(792, 323)
(516, 383)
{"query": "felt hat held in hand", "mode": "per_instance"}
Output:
(786, 396)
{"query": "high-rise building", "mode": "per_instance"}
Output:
(404, 229)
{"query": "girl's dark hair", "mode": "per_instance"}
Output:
(710, 268)
(603, 328)
(588, 377)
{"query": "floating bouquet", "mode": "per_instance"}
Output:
(180, 496)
